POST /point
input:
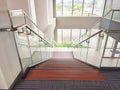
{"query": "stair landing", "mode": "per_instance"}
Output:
(63, 67)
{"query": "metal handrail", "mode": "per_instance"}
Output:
(98, 20)
(30, 19)
(39, 36)
(95, 24)
(89, 37)
(25, 25)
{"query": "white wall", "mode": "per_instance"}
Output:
(50, 10)
(44, 16)
(18, 4)
(9, 62)
(49, 32)
(41, 13)
(2, 80)
(4, 18)
(76, 22)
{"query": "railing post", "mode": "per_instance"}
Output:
(106, 39)
(30, 49)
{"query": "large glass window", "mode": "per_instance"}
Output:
(88, 7)
(98, 7)
(79, 7)
(59, 7)
(69, 35)
(59, 35)
(75, 35)
(66, 35)
(67, 7)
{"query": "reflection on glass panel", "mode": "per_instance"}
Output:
(58, 7)
(83, 34)
(59, 35)
(75, 35)
(23, 49)
(98, 7)
(67, 8)
(17, 17)
(66, 35)
(88, 5)
(108, 6)
(109, 47)
(116, 16)
(77, 8)
(115, 4)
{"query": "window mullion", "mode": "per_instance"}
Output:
(83, 7)
(72, 6)
(62, 7)
(93, 7)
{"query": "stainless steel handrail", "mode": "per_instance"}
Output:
(25, 25)
(89, 37)
(95, 24)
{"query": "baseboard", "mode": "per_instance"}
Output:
(28, 69)
(39, 63)
(95, 67)
(26, 72)
(18, 78)
(110, 69)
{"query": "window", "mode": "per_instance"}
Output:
(59, 35)
(67, 7)
(88, 7)
(79, 7)
(66, 35)
(59, 7)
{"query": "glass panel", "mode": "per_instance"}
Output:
(98, 7)
(108, 6)
(59, 35)
(105, 22)
(115, 4)
(116, 16)
(33, 26)
(112, 53)
(58, 7)
(109, 47)
(23, 49)
(91, 50)
(66, 35)
(67, 7)
(35, 50)
(75, 35)
(77, 8)
(94, 56)
(88, 6)
(17, 17)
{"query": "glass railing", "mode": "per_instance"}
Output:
(32, 46)
(32, 49)
(90, 49)
(111, 53)
(19, 17)
(102, 49)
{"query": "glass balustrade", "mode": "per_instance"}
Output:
(103, 49)
(19, 17)
(32, 49)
